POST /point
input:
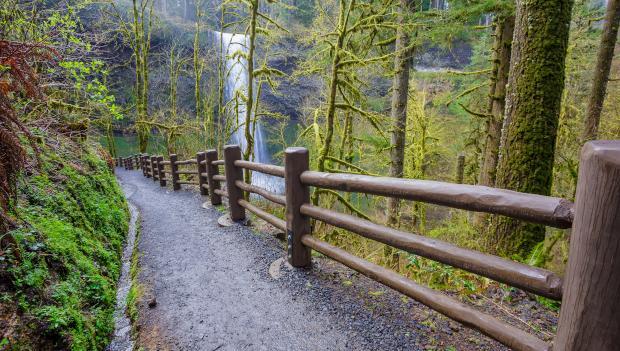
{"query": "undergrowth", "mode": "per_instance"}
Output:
(58, 286)
(135, 290)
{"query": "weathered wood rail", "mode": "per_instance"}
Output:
(590, 292)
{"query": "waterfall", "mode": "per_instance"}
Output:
(236, 76)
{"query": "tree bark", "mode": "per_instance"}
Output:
(400, 90)
(504, 30)
(533, 100)
(333, 89)
(601, 73)
(497, 95)
(249, 106)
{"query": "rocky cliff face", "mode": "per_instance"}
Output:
(292, 92)
(431, 57)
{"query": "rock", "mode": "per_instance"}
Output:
(274, 268)
(454, 326)
(225, 221)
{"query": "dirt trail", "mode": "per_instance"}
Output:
(214, 290)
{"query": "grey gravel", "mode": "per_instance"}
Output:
(214, 290)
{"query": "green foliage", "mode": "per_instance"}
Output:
(74, 221)
(88, 77)
(459, 231)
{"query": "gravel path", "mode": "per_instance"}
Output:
(214, 290)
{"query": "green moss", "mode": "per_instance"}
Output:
(534, 96)
(75, 219)
(135, 290)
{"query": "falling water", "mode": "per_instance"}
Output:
(236, 80)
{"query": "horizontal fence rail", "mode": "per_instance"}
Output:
(273, 197)
(500, 331)
(546, 210)
(532, 279)
(260, 167)
(268, 217)
(588, 318)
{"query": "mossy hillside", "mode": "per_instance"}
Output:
(74, 220)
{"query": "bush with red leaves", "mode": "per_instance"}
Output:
(18, 80)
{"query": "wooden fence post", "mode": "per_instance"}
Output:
(143, 164)
(130, 161)
(212, 170)
(460, 169)
(147, 165)
(232, 153)
(202, 172)
(296, 162)
(174, 175)
(590, 314)
(154, 168)
(160, 171)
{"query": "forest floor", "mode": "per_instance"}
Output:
(206, 287)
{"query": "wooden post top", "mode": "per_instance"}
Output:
(296, 150)
(607, 151)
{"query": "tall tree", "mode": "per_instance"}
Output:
(532, 112)
(249, 135)
(344, 46)
(256, 23)
(601, 73)
(137, 32)
(198, 62)
(400, 91)
(504, 29)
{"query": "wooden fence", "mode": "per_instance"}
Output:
(590, 292)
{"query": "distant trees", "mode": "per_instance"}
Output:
(533, 101)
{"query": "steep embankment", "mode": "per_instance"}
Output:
(57, 281)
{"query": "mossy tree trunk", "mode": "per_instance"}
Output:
(601, 73)
(533, 100)
(497, 95)
(198, 64)
(139, 35)
(400, 95)
(504, 30)
(221, 77)
(249, 107)
(333, 87)
(400, 91)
